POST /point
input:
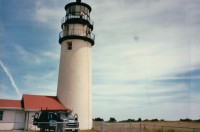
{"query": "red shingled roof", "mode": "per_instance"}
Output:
(15, 104)
(38, 102)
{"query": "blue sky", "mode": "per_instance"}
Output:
(146, 60)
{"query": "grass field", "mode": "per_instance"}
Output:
(165, 126)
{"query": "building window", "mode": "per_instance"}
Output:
(69, 45)
(1, 115)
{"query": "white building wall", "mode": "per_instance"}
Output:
(75, 81)
(29, 120)
(12, 119)
(19, 120)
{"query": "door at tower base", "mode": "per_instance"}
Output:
(75, 81)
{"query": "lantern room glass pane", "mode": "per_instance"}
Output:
(78, 8)
(86, 11)
(67, 11)
(72, 10)
(82, 8)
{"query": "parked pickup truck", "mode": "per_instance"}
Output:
(56, 120)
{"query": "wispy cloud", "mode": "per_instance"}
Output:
(46, 15)
(9, 75)
(41, 83)
(54, 55)
(28, 56)
(2, 36)
(151, 41)
(162, 50)
(49, 15)
(44, 76)
(7, 93)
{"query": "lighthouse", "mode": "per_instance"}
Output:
(75, 72)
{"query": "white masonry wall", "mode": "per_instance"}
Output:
(12, 120)
(29, 116)
(75, 79)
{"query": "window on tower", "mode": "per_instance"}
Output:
(69, 45)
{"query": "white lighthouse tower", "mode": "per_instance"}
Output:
(75, 72)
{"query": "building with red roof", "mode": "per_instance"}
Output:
(10, 104)
(18, 114)
(39, 102)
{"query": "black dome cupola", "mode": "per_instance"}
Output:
(77, 13)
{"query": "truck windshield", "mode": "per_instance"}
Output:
(66, 116)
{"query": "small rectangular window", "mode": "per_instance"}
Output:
(1, 115)
(69, 45)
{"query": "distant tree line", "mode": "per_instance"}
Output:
(139, 120)
(112, 119)
(189, 120)
(98, 119)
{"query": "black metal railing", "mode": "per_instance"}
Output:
(77, 32)
(84, 17)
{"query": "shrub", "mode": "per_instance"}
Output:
(186, 120)
(154, 120)
(112, 119)
(98, 119)
(139, 119)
